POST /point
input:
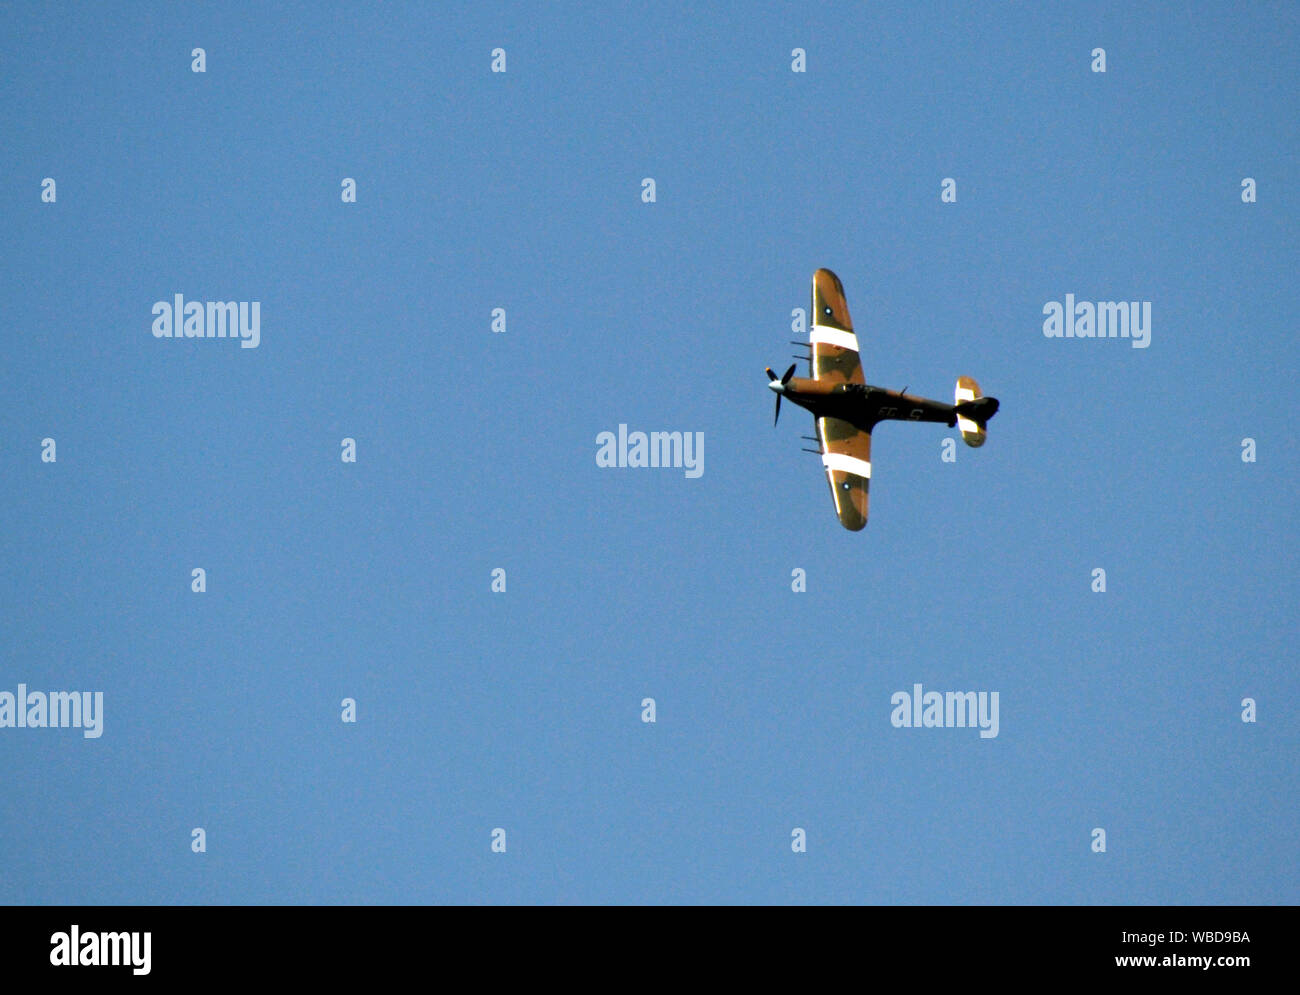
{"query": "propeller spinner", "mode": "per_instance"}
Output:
(779, 387)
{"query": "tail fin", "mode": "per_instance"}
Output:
(973, 411)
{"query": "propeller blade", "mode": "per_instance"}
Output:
(776, 417)
(770, 375)
(788, 374)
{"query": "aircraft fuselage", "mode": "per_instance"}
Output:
(863, 405)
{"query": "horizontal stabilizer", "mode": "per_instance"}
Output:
(973, 411)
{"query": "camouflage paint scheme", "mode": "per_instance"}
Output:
(845, 408)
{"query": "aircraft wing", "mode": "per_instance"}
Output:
(846, 450)
(846, 454)
(834, 344)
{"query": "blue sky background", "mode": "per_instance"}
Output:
(475, 451)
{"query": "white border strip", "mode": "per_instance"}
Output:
(846, 464)
(967, 426)
(825, 335)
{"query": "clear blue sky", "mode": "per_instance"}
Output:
(475, 451)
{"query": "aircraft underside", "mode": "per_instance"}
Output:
(864, 406)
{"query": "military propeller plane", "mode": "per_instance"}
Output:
(846, 408)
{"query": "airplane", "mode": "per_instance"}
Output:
(846, 408)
